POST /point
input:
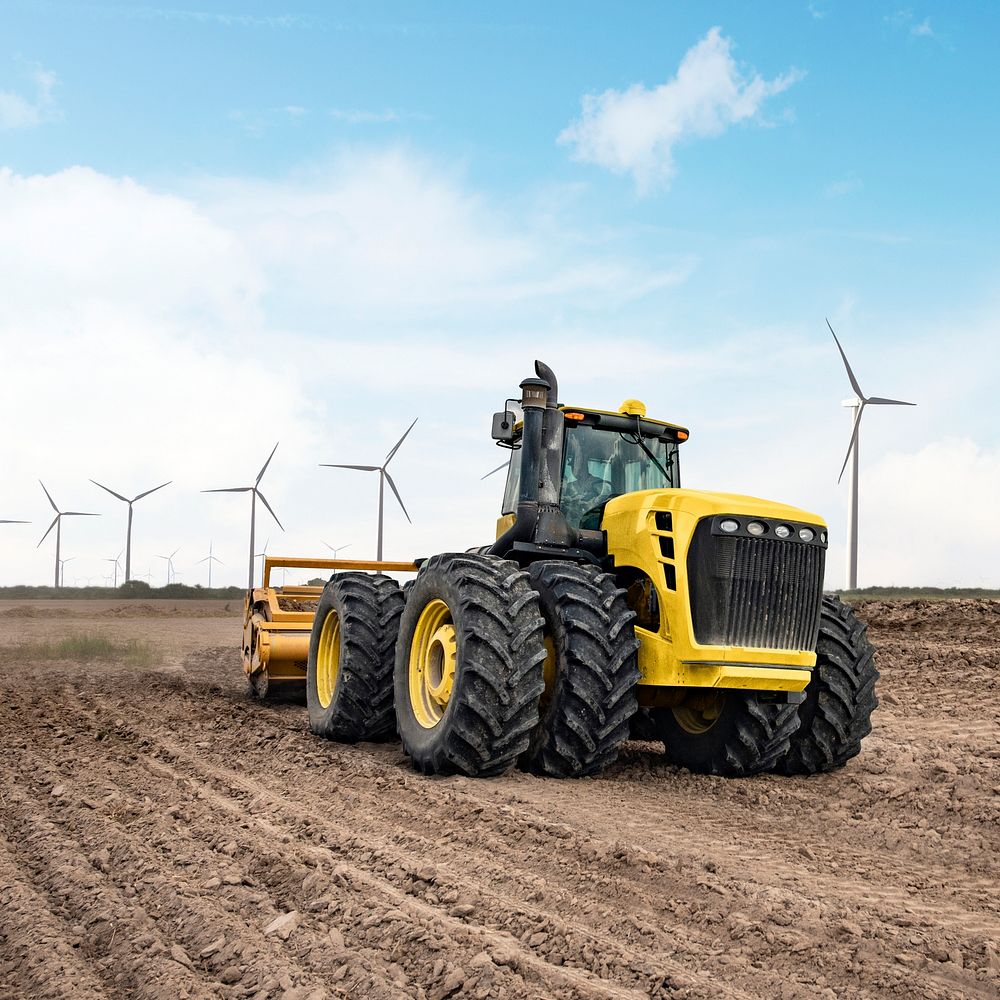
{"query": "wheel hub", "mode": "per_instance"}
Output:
(433, 658)
(328, 659)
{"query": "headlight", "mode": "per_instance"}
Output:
(822, 537)
(730, 525)
(807, 534)
(783, 531)
(756, 528)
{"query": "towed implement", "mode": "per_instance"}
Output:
(613, 603)
(277, 623)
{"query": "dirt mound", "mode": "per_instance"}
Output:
(163, 836)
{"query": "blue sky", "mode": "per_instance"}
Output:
(332, 203)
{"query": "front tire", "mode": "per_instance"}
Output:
(468, 665)
(725, 732)
(840, 697)
(591, 671)
(351, 657)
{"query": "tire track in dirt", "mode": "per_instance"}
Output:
(831, 887)
(237, 795)
(224, 779)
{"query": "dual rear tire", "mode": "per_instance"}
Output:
(488, 667)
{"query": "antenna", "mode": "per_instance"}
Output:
(383, 478)
(254, 494)
(857, 403)
(128, 530)
(57, 524)
(210, 559)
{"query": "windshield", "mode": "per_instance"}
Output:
(601, 464)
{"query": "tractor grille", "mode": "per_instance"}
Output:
(753, 591)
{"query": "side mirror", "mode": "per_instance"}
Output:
(503, 426)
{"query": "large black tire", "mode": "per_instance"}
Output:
(357, 621)
(749, 734)
(836, 715)
(591, 671)
(486, 610)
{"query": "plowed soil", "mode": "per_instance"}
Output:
(162, 836)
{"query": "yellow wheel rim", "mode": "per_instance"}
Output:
(328, 659)
(432, 664)
(699, 712)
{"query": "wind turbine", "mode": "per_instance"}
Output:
(117, 562)
(210, 559)
(62, 569)
(497, 469)
(254, 494)
(57, 524)
(128, 532)
(857, 403)
(170, 564)
(383, 478)
(335, 548)
(262, 555)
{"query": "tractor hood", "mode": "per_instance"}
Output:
(708, 503)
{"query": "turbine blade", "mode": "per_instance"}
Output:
(172, 554)
(153, 490)
(50, 527)
(362, 468)
(854, 438)
(395, 492)
(4, 521)
(78, 513)
(497, 469)
(260, 475)
(109, 490)
(231, 489)
(204, 560)
(49, 495)
(388, 457)
(263, 500)
(880, 401)
(847, 365)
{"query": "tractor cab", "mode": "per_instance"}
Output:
(604, 455)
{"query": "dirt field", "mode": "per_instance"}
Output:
(163, 837)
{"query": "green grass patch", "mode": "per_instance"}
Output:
(87, 648)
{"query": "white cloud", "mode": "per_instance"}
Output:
(842, 187)
(636, 131)
(17, 111)
(923, 29)
(150, 336)
(360, 117)
(930, 511)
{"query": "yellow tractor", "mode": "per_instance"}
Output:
(613, 603)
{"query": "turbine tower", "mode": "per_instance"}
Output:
(254, 494)
(210, 559)
(383, 478)
(128, 532)
(57, 524)
(857, 403)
